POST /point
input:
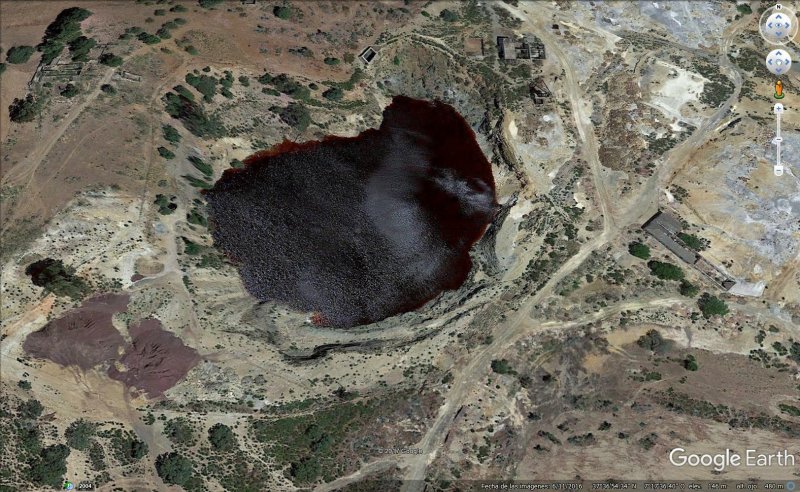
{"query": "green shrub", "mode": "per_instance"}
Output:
(70, 91)
(173, 468)
(179, 430)
(448, 15)
(652, 340)
(201, 166)
(165, 204)
(688, 289)
(166, 153)
(205, 85)
(282, 12)
(690, 363)
(295, 115)
(331, 61)
(2, 68)
(712, 306)
(639, 250)
(207, 4)
(178, 8)
(195, 217)
(110, 59)
(789, 409)
(693, 241)
(237, 164)
(108, 89)
(148, 38)
(502, 366)
(333, 94)
(19, 54)
(193, 117)
(197, 183)
(665, 271)
(24, 384)
(244, 80)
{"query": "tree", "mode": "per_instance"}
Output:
(25, 110)
(148, 38)
(19, 54)
(221, 437)
(70, 91)
(207, 4)
(171, 135)
(295, 115)
(665, 271)
(166, 153)
(333, 94)
(110, 59)
(80, 47)
(57, 278)
(652, 340)
(688, 289)
(502, 366)
(50, 466)
(639, 250)
(108, 89)
(173, 468)
(30, 409)
(693, 241)
(690, 363)
(79, 433)
(448, 15)
(178, 430)
(282, 12)
(712, 306)
(24, 384)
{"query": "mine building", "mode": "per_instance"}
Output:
(539, 91)
(665, 227)
(368, 55)
(529, 47)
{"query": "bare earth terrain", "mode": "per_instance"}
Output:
(579, 346)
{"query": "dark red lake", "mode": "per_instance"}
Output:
(358, 229)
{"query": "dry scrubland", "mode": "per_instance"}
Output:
(577, 344)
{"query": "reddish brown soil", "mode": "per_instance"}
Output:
(83, 337)
(155, 360)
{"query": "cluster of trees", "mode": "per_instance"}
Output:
(27, 109)
(65, 29)
(57, 278)
(191, 114)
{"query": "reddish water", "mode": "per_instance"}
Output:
(357, 229)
